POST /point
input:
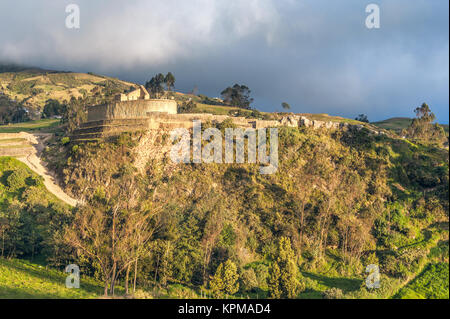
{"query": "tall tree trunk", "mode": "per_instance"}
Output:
(113, 279)
(135, 275)
(302, 214)
(106, 288)
(156, 271)
(126, 279)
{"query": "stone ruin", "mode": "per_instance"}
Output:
(135, 111)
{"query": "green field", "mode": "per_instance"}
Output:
(46, 125)
(25, 280)
(432, 283)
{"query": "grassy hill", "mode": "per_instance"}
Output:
(399, 123)
(32, 87)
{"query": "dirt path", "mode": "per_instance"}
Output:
(33, 161)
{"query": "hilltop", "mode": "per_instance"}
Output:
(399, 123)
(31, 88)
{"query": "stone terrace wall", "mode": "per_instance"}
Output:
(130, 109)
(114, 124)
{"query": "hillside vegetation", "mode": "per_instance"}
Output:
(343, 199)
(340, 200)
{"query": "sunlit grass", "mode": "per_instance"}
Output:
(30, 126)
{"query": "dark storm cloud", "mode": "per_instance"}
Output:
(316, 55)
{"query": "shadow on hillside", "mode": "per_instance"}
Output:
(53, 277)
(345, 284)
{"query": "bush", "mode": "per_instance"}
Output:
(333, 293)
(248, 280)
(65, 140)
(17, 178)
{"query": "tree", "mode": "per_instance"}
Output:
(238, 95)
(74, 114)
(248, 280)
(169, 80)
(113, 232)
(282, 281)
(225, 280)
(285, 106)
(53, 107)
(422, 126)
(362, 118)
(155, 85)
(424, 113)
(274, 281)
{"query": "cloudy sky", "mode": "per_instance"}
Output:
(316, 55)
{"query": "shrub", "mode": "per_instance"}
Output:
(65, 140)
(333, 293)
(248, 280)
(17, 178)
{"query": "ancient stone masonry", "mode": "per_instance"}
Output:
(138, 94)
(135, 111)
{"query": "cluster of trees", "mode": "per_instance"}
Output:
(75, 113)
(422, 126)
(30, 219)
(12, 111)
(362, 118)
(53, 108)
(283, 280)
(156, 84)
(237, 95)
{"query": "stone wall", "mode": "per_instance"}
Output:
(141, 115)
(131, 109)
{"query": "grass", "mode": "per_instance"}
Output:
(399, 123)
(432, 283)
(217, 109)
(46, 125)
(25, 280)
